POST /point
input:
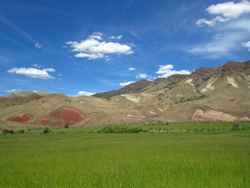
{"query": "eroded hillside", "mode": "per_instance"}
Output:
(218, 94)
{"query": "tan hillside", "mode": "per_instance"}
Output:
(218, 94)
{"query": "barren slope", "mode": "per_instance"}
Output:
(219, 94)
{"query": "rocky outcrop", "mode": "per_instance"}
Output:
(64, 116)
(212, 115)
(22, 118)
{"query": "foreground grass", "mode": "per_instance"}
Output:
(75, 159)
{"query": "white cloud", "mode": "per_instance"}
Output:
(37, 66)
(85, 93)
(131, 69)
(50, 70)
(38, 45)
(96, 35)
(33, 72)
(19, 90)
(212, 22)
(228, 36)
(11, 91)
(220, 45)
(225, 12)
(95, 47)
(142, 76)
(230, 9)
(126, 83)
(247, 45)
(242, 24)
(168, 70)
(116, 37)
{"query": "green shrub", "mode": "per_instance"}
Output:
(106, 130)
(66, 126)
(21, 131)
(7, 131)
(46, 130)
(236, 126)
(120, 129)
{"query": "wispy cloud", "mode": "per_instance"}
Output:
(211, 23)
(165, 71)
(20, 31)
(85, 93)
(12, 90)
(95, 47)
(142, 76)
(220, 45)
(32, 72)
(126, 83)
(230, 34)
(38, 45)
(116, 37)
(131, 69)
(20, 90)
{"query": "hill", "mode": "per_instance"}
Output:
(208, 94)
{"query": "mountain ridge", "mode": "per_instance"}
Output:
(207, 94)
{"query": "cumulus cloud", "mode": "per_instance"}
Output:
(85, 93)
(229, 35)
(131, 69)
(33, 72)
(230, 9)
(123, 84)
(165, 71)
(95, 47)
(225, 12)
(247, 45)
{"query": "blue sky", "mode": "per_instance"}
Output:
(94, 46)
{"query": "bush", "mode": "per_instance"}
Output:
(120, 129)
(21, 131)
(236, 126)
(46, 130)
(66, 126)
(106, 130)
(7, 131)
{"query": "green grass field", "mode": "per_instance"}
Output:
(173, 156)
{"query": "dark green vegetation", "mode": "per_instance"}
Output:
(151, 156)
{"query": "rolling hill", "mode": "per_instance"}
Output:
(208, 94)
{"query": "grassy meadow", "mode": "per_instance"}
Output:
(137, 156)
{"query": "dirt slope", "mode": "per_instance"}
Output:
(218, 94)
